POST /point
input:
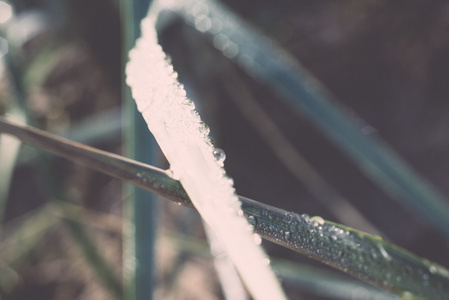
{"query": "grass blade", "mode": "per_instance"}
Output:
(364, 256)
(141, 209)
(185, 142)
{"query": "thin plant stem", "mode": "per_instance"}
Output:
(141, 210)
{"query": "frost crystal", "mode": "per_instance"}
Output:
(184, 140)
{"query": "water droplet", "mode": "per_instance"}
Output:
(257, 239)
(266, 261)
(219, 155)
(305, 217)
(252, 220)
(239, 211)
(293, 227)
(287, 235)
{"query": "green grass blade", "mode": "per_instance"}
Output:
(142, 208)
(364, 256)
(153, 179)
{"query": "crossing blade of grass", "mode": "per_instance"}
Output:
(141, 209)
(364, 256)
(268, 62)
(153, 179)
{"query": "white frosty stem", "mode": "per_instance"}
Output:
(184, 140)
(231, 284)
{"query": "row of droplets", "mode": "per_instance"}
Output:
(350, 239)
(172, 87)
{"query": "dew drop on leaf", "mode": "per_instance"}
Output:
(252, 220)
(257, 239)
(219, 155)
